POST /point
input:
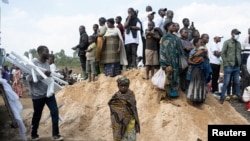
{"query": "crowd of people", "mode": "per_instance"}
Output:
(113, 47)
(163, 44)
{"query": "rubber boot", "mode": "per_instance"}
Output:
(84, 75)
(89, 76)
(93, 77)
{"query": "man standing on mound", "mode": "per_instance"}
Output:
(231, 57)
(81, 47)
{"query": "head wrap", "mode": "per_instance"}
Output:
(123, 80)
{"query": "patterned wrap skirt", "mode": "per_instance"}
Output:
(109, 52)
(197, 86)
(110, 57)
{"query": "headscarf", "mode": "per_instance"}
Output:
(123, 80)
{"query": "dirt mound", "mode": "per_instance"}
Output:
(86, 116)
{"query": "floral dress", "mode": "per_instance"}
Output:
(17, 86)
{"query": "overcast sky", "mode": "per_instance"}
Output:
(26, 24)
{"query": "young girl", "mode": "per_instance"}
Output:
(198, 72)
(90, 59)
(124, 116)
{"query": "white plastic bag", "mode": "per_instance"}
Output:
(159, 79)
(246, 94)
(183, 62)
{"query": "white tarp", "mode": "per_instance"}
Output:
(15, 106)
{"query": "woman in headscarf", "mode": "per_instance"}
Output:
(113, 53)
(170, 50)
(124, 115)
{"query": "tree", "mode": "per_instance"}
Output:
(33, 52)
(61, 60)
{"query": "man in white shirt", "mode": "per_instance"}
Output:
(144, 16)
(215, 61)
(160, 20)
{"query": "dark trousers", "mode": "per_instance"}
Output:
(183, 80)
(229, 72)
(83, 62)
(143, 39)
(38, 105)
(245, 78)
(215, 76)
(131, 52)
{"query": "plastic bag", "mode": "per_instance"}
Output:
(246, 94)
(183, 62)
(159, 79)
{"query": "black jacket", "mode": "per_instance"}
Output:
(83, 44)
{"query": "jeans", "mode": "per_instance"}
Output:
(235, 73)
(231, 87)
(38, 105)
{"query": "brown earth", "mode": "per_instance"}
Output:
(86, 116)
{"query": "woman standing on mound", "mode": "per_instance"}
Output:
(198, 72)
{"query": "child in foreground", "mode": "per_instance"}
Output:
(124, 116)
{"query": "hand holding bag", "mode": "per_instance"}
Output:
(183, 62)
(159, 79)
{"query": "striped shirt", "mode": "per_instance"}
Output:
(245, 50)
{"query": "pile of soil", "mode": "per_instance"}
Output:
(86, 116)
